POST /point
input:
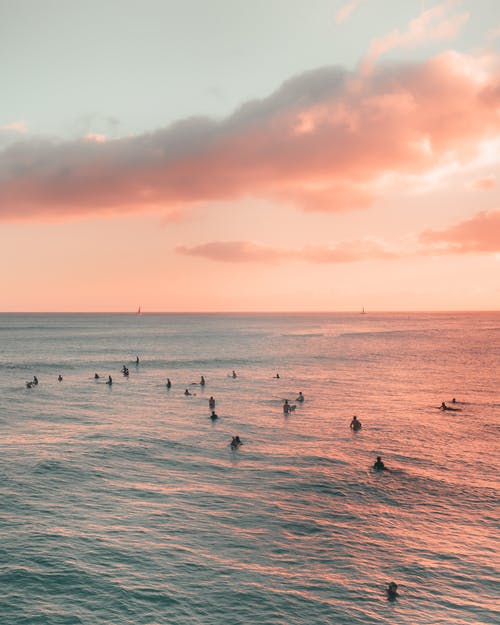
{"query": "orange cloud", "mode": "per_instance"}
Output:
(322, 141)
(249, 252)
(481, 233)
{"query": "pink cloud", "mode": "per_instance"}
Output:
(488, 182)
(322, 141)
(346, 10)
(234, 252)
(249, 252)
(91, 136)
(481, 233)
(432, 24)
(19, 126)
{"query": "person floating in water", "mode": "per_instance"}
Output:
(443, 406)
(236, 442)
(300, 397)
(59, 378)
(110, 380)
(213, 416)
(233, 375)
(355, 424)
(378, 465)
(392, 590)
(202, 381)
(96, 376)
(169, 383)
(186, 392)
(211, 403)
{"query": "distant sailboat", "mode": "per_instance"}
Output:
(139, 311)
(363, 312)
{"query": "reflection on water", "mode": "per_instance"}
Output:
(127, 505)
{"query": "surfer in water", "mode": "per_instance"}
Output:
(110, 380)
(59, 378)
(35, 380)
(378, 465)
(233, 375)
(392, 590)
(236, 442)
(96, 376)
(211, 403)
(137, 360)
(186, 392)
(277, 376)
(443, 406)
(202, 381)
(169, 383)
(214, 416)
(300, 397)
(355, 424)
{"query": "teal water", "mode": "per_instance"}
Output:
(126, 505)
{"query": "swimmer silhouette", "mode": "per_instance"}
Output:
(378, 465)
(392, 590)
(355, 424)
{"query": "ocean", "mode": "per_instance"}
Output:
(125, 504)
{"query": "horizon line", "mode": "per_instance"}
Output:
(239, 312)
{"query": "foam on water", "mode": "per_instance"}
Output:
(125, 504)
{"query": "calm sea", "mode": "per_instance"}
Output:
(125, 504)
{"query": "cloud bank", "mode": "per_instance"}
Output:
(322, 141)
(480, 233)
(249, 252)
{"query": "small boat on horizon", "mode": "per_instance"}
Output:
(139, 311)
(363, 312)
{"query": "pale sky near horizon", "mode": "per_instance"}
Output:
(236, 156)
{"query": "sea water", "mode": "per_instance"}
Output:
(125, 504)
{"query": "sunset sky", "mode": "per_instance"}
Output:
(227, 155)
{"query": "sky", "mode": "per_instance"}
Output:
(226, 155)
